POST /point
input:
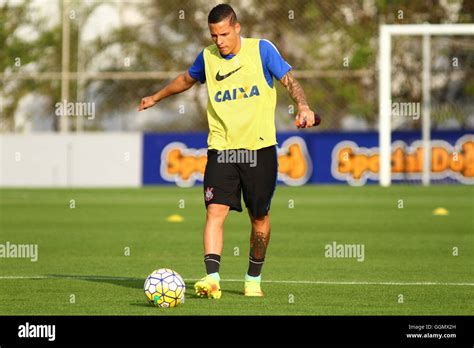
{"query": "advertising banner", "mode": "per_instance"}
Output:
(324, 157)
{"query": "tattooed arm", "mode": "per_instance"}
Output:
(297, 94)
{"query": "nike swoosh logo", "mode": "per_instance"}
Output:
(222, 77)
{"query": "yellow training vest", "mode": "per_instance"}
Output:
(241, 104)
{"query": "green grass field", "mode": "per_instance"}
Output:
(408, 251)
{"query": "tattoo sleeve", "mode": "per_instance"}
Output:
(294, 88)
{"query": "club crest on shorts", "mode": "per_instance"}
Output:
(208, 194)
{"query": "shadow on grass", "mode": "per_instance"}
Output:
(144, 304)
(133, 283)
(128, 282)
(235, 292)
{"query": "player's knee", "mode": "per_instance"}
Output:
(261, 221)
(217, 212)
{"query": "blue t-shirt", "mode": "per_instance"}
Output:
(272, 63)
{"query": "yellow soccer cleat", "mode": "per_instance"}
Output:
(252, 289)
(208, 287)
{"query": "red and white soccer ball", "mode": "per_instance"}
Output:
(164, 288)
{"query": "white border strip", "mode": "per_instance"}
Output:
(316, 282)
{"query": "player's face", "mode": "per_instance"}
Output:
(225, 36)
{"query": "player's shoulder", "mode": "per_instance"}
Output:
(251, 40)
(266, 46)
(211, 50)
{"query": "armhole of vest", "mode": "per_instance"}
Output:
(263, 69)
(206, 53)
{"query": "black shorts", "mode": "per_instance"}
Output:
(252, 172)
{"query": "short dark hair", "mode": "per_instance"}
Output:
(220, 13)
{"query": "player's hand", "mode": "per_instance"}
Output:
(146, 103)
(305, 117)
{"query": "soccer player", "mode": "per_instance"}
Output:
(239, 73)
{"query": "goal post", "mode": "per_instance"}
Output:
(385, 70)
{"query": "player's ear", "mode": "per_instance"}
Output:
(237, 28)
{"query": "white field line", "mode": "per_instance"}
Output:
(315, 282)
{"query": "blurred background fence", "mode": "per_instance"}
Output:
(121, 51)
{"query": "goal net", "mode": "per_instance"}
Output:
(426, 104)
